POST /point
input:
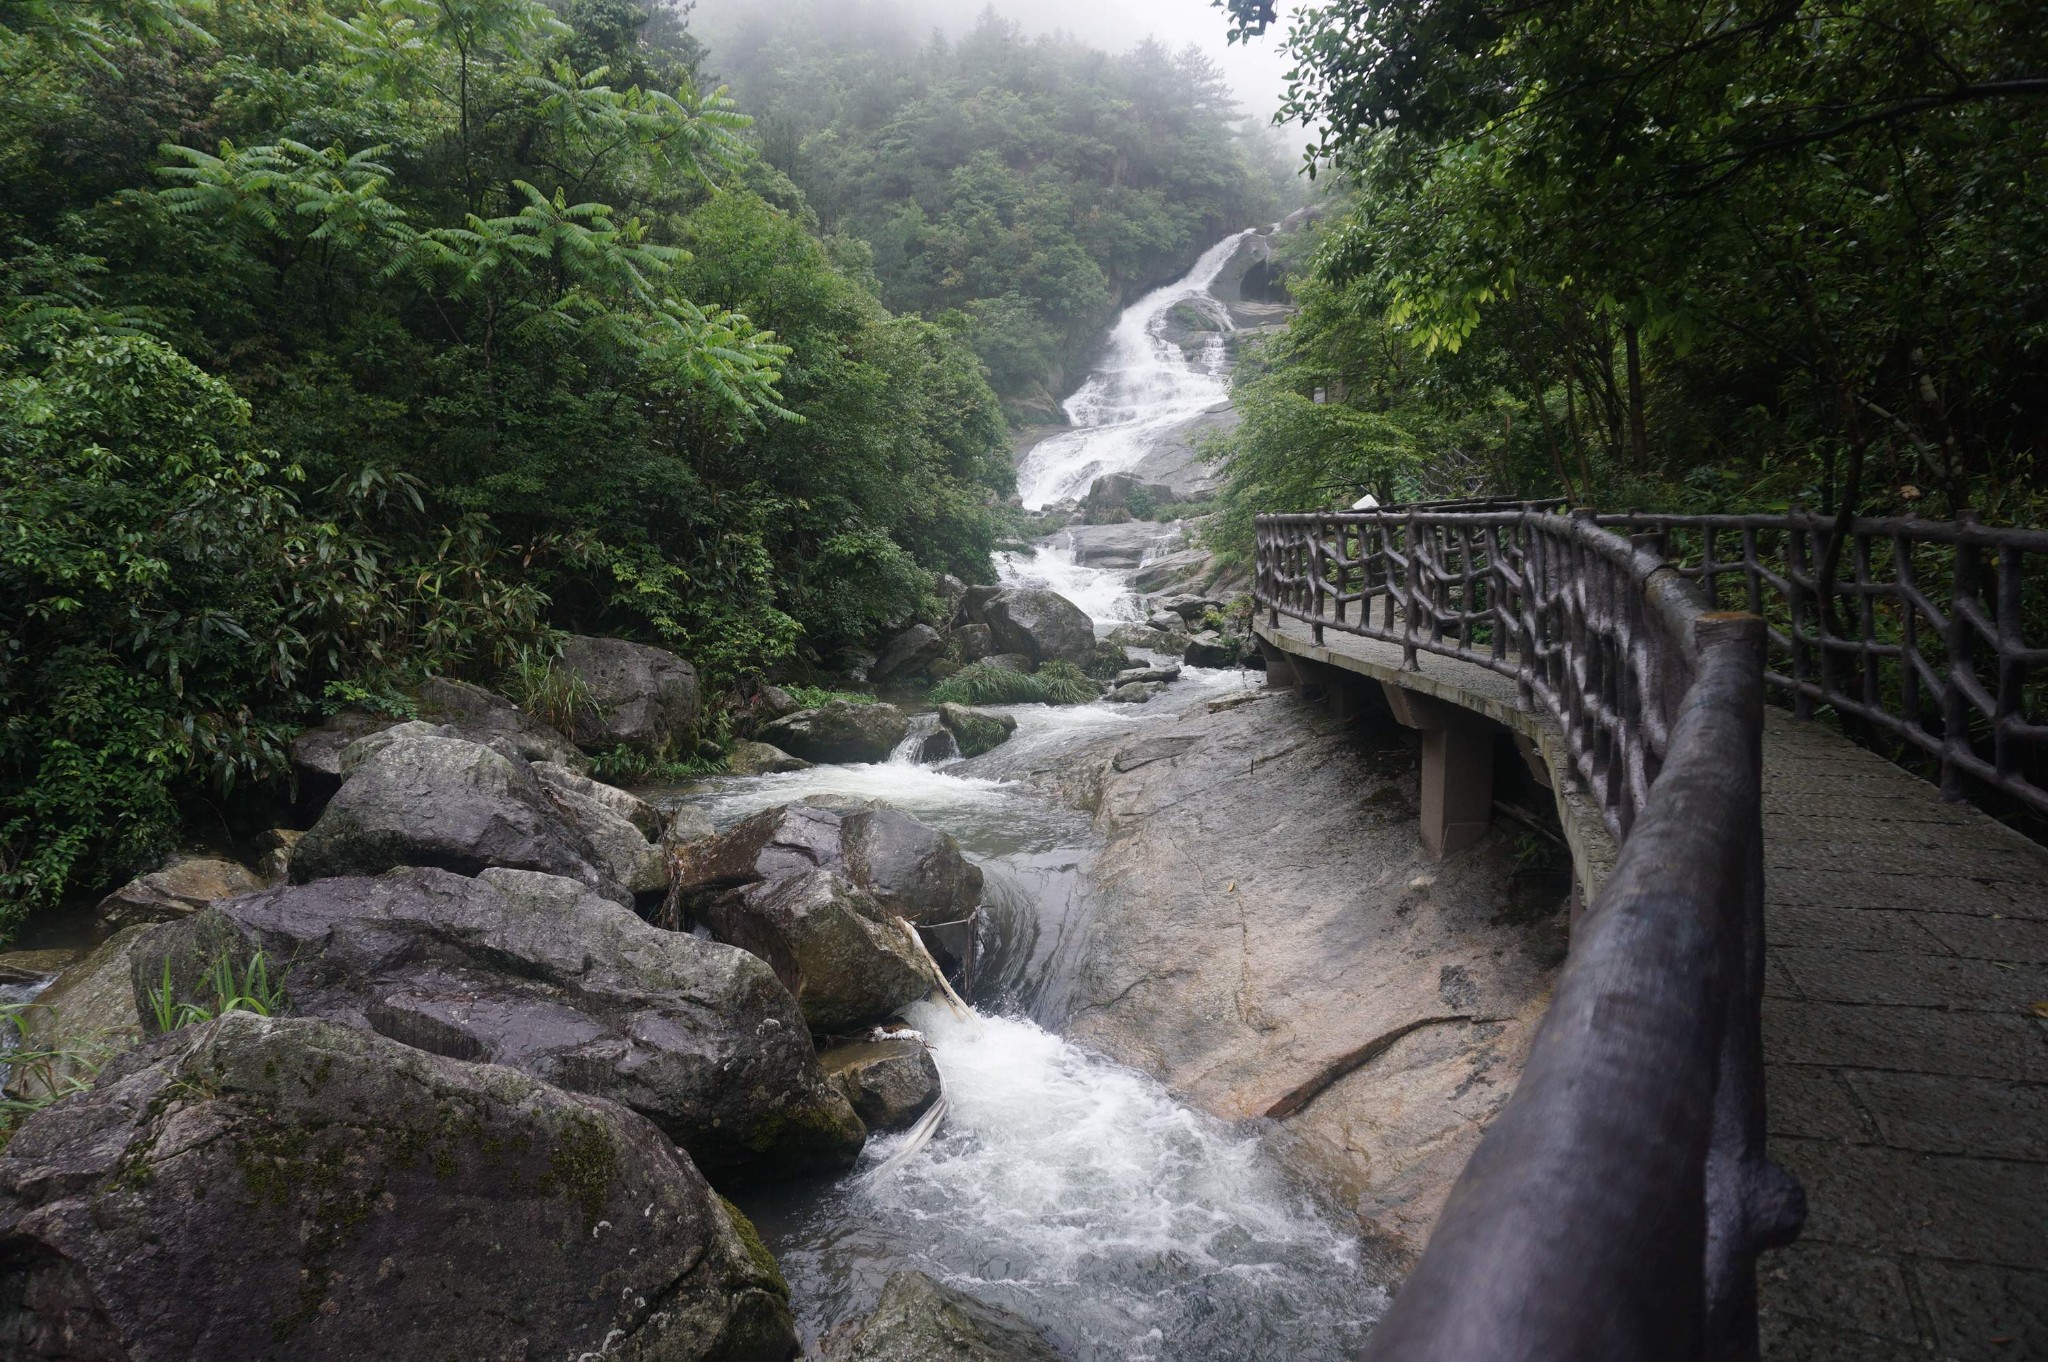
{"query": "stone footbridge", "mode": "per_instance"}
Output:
(1890, 986)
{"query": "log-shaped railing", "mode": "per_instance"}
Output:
(1915, 633)
(1616, 1207)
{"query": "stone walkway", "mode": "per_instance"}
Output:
(1907, 1062)
(1905, 1043)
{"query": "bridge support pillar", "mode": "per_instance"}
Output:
(1457, 769)
(1281, 673)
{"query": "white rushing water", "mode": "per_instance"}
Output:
(1075, 1191)
(1144, 388)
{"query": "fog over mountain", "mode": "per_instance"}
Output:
(1257, 70)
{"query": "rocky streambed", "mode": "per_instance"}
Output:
(556, 1068)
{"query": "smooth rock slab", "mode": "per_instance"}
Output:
(841, 731)
(761, 759)
(918, 1320)
(278, 1187)
(536, 973)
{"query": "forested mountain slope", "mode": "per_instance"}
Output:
(1032, 186)
(344, 342)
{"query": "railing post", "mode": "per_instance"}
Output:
(1752, 1204)
(1962, 661)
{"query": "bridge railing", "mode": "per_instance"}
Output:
(1927, 638)
(1617, 1204)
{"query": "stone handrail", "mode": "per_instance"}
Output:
(1616, 1207)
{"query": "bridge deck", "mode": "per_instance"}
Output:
(1906, 1047)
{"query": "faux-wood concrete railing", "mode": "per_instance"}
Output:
(1616, 1207)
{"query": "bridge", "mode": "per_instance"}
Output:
(1804, 1018)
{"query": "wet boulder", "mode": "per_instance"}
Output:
(183, 886)
(908, 654)
(1010, 662)
(972, 642)
(618, 826)
(1211, 649)
(536, 973)
(773, 843)
(843, 955)
(890, 1082)
(841, 731)
(687, 826)
(1149, 639)
(283, 1187)
(761, 759)
(1185, 567)
(1133, 693)
(316, 753)
(482, 716)
(1040, 624)
(937, 746)
(639, 697)
(949, 591)
(420, 799)
(976, 730)
(974, 601)
(774, 702)
(1164, 676)
(919, 1320)
(913, 870)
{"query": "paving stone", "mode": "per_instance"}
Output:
(1926, 855)
(1857, 929)
(1908, 1039)
(1778, 982)
(1818, 888)
(1945, 1114)
(1826, 1282)
(1899, 979)
(1813, 1102)
(2011, 939)
(1925, 1205)
(1985, 1312)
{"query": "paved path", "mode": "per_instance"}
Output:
(1907, 1067)
(1905, 1042)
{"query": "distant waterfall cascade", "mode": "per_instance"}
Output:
(1144, 387)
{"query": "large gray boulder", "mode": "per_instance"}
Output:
(1150, 639)
(891, 1082)
(840, 731)
(829, 942)
(316, 753)
(919, 1320)
(482, 716)
(910, 870)
(761, 759)
(1040, 624)
(908, 654)
(420, 799)
(640, 697)
(972, 642)
(536, 973)
(975, 731)
(617, 824)
(279, 1187)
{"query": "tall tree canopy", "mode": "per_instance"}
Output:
(1734, 254)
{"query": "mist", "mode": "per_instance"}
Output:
(1256, 70)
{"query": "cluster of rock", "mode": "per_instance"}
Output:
(487, 1118)
(1193, 628)
(1019, 628)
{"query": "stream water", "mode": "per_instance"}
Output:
(1143, 389)
(1073, 1190)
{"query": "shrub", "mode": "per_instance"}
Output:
(1055, 683)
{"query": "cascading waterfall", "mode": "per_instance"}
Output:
(1073, 1190)
(1144, 388)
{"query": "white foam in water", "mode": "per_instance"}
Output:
(1144, 388)
(1104, 596)
(1082, 1195)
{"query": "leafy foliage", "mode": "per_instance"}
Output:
(981, 683)
(1743, 257)
(342, 345)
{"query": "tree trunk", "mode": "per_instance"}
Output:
(1639, 438)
